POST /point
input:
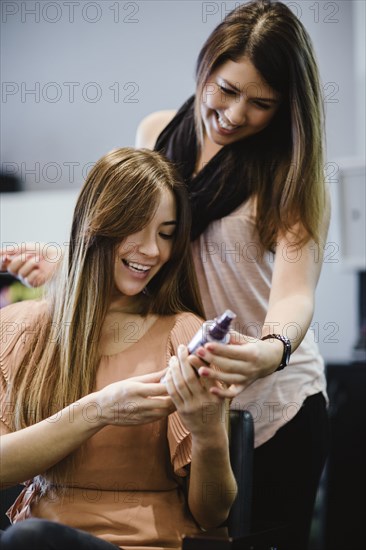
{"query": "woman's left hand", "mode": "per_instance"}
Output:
(239, 363)
(201, 410)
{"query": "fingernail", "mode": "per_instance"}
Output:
(201, 352)
(203, 372)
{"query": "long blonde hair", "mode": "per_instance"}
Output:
(284, 162)
(119, 197)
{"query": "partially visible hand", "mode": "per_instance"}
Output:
(201, 411)
(135, 401)
(239, 363)
(32, 263)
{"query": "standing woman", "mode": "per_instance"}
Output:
(84, 418)
(249, 147)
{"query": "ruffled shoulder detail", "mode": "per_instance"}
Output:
(179, 438)
(185, 327)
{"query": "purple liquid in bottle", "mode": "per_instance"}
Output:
(213, 331)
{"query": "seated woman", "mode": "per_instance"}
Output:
(113, 457)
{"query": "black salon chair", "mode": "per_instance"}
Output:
(241, 457)
(7, 497)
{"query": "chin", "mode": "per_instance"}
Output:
(222, 140)
(129, 292)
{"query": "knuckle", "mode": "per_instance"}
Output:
(180, 385)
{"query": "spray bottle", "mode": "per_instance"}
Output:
(216, 330)
(213, 331)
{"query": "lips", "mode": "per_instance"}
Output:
(224, 127)
(136, 267)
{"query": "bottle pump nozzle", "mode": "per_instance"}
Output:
(222, 324)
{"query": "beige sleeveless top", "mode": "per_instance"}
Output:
(232, 273)
(128, 488)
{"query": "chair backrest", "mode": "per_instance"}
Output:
(7, 497)
(241, 458)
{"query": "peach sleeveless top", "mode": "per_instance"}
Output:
(128, 487)
(233, 274)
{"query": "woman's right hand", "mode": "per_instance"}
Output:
(134, 401)
(32, 263)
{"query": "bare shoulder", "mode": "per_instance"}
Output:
(151, 126)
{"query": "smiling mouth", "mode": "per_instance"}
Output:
(224, 125)
(138, 268)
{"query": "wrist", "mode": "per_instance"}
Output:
(210, 438)
(282, 346)
(94, 410)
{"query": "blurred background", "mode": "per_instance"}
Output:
(76, 79)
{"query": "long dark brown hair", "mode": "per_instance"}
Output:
(285, 160)
(119, 197)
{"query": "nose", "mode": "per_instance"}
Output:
(148, 245)
(236, 113)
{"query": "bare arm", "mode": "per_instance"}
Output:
(212, 486)
(290, 311)
(32, 450)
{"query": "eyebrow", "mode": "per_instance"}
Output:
(172, 222)
(268, 99)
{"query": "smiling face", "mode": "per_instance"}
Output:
(236, 103)
(141, 255)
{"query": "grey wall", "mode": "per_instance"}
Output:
(78, 76)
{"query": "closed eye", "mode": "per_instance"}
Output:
(170, 226)
(257, 102)
(166, 236)
(262, 105)
(226, 91)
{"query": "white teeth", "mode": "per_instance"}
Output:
(224, 124)
(137, 267)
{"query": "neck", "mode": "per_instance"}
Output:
(126, 304)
